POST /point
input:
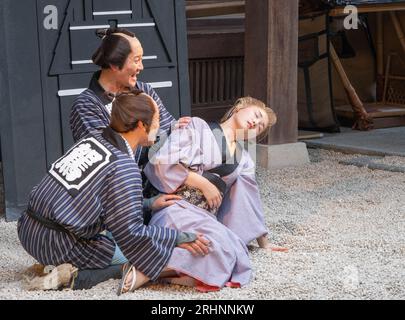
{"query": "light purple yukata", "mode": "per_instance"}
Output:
(239, 220)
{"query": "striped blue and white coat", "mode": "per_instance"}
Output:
(94, 187)
(90, 111)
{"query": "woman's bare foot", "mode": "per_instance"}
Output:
(274, 248)
(266, 245)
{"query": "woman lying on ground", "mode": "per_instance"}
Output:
(215, 175)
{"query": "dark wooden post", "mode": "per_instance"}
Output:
(271, 59)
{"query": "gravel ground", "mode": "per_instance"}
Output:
(344, 226)
(1, 192)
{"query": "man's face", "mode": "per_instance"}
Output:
(154, 128)
(128, 75)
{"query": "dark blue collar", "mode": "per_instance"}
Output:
(98, 89)
(115, 139)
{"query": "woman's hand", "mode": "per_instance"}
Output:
(197, 247)
(210, 191)
(182, 123)
(211, 194)
(164, 201)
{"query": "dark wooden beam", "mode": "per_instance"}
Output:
(271, 59)
(216, 45)
(367, 8)
(215, 9)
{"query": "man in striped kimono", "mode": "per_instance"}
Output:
(120, 58)
(94, 187)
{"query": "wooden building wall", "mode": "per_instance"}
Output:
(266, 41)
(216, 65)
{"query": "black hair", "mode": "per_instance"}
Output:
(114, 49)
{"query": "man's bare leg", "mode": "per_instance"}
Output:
(168, 273)
(141, 279)
(170, 276)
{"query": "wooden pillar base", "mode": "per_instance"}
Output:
(281, 155)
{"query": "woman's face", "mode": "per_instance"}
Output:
(250, 122)
(128, 75)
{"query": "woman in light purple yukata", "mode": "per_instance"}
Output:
(206, 165)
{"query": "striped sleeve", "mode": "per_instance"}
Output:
(85, 117)
(148, 248)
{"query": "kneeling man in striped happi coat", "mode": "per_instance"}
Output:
(86, 213)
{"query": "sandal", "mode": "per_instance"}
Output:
(58, 277)
(126, 270)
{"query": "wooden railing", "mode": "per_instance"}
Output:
(216, 62)
(216, 81)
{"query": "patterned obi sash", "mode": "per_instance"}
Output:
(195, 196)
